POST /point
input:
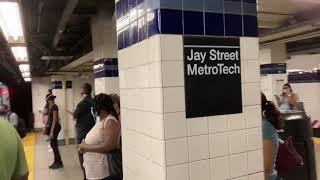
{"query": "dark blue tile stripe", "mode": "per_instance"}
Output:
(56, 85)
(140, 19)
(106, 68)
(305, 77)
(280, 68)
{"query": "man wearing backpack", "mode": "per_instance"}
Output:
(13, 118)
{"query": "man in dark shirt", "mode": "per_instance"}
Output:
(84, 117)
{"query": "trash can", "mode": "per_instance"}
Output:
(298, 126)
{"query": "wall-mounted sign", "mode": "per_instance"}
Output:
(212, 71)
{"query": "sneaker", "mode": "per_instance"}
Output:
(56, 166)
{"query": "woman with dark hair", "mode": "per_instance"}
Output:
(102, 139)
(288, 99)
(54, 127)
(271, 122)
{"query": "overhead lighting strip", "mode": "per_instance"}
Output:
(12, 28)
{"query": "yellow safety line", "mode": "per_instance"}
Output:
(29, 145)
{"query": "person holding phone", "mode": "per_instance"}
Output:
(288, 99)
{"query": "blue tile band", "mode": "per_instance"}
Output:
(69, 84)
(304, 77)
(138, 20)
(56, 85)
(266, 69)
(107, 67)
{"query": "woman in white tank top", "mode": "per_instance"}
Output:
(102, 138)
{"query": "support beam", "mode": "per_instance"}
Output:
(67, 13)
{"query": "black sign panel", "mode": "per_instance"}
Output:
(212, 71)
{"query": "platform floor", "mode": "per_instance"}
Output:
(39, 158)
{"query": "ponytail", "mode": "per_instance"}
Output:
(271, 113)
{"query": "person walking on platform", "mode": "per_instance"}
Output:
(84, 118)
(54, 127)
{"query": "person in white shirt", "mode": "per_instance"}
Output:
(102, 139)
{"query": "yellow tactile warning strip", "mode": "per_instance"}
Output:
(29, 145)
(316, 140)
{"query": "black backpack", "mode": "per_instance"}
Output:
(21, 129)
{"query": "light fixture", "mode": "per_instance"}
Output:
(27, 79)
(20, 53)
(26, 74)
(24, 68)
(10, 22)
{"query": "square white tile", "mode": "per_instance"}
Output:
(253, 116)
(237, 141)
(156, 125)
(258, 176)
(172, 47)
(174, 99)
(177, 151)
(254, 138)
(154, 76)
(154, 48)
(157, 172)
(218, 123)
(219, 144)
(175, 125)
(197, 126)
(252, 71)
(252, 94)
(156, 100)
(199, 170)
(236, 122)
(198, 147)
(220, 168)
(249, 48)
(172, 73)
(238, 165)
(178, 172)
(158, 151)
(255, 161)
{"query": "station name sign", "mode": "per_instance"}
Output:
(212, 69)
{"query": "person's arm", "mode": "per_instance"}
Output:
(54, 122)
(268, 158)
(111, 134)
(80, 110)
(293, 99)
(21, 171)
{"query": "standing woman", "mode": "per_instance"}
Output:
(54, 128)
(271, 122)
(102, 139)
(288, 99)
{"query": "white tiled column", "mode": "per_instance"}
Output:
(159, 143)
(104, 43)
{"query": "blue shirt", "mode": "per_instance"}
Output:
(269, 132)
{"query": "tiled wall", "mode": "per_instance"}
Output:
(140, 19)
(159, 143)
(40, 86)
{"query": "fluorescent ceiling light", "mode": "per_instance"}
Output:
(20, 53)
(26, 74)
(27, 79)
(48, 58)
(24, 68)
(10, 21)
